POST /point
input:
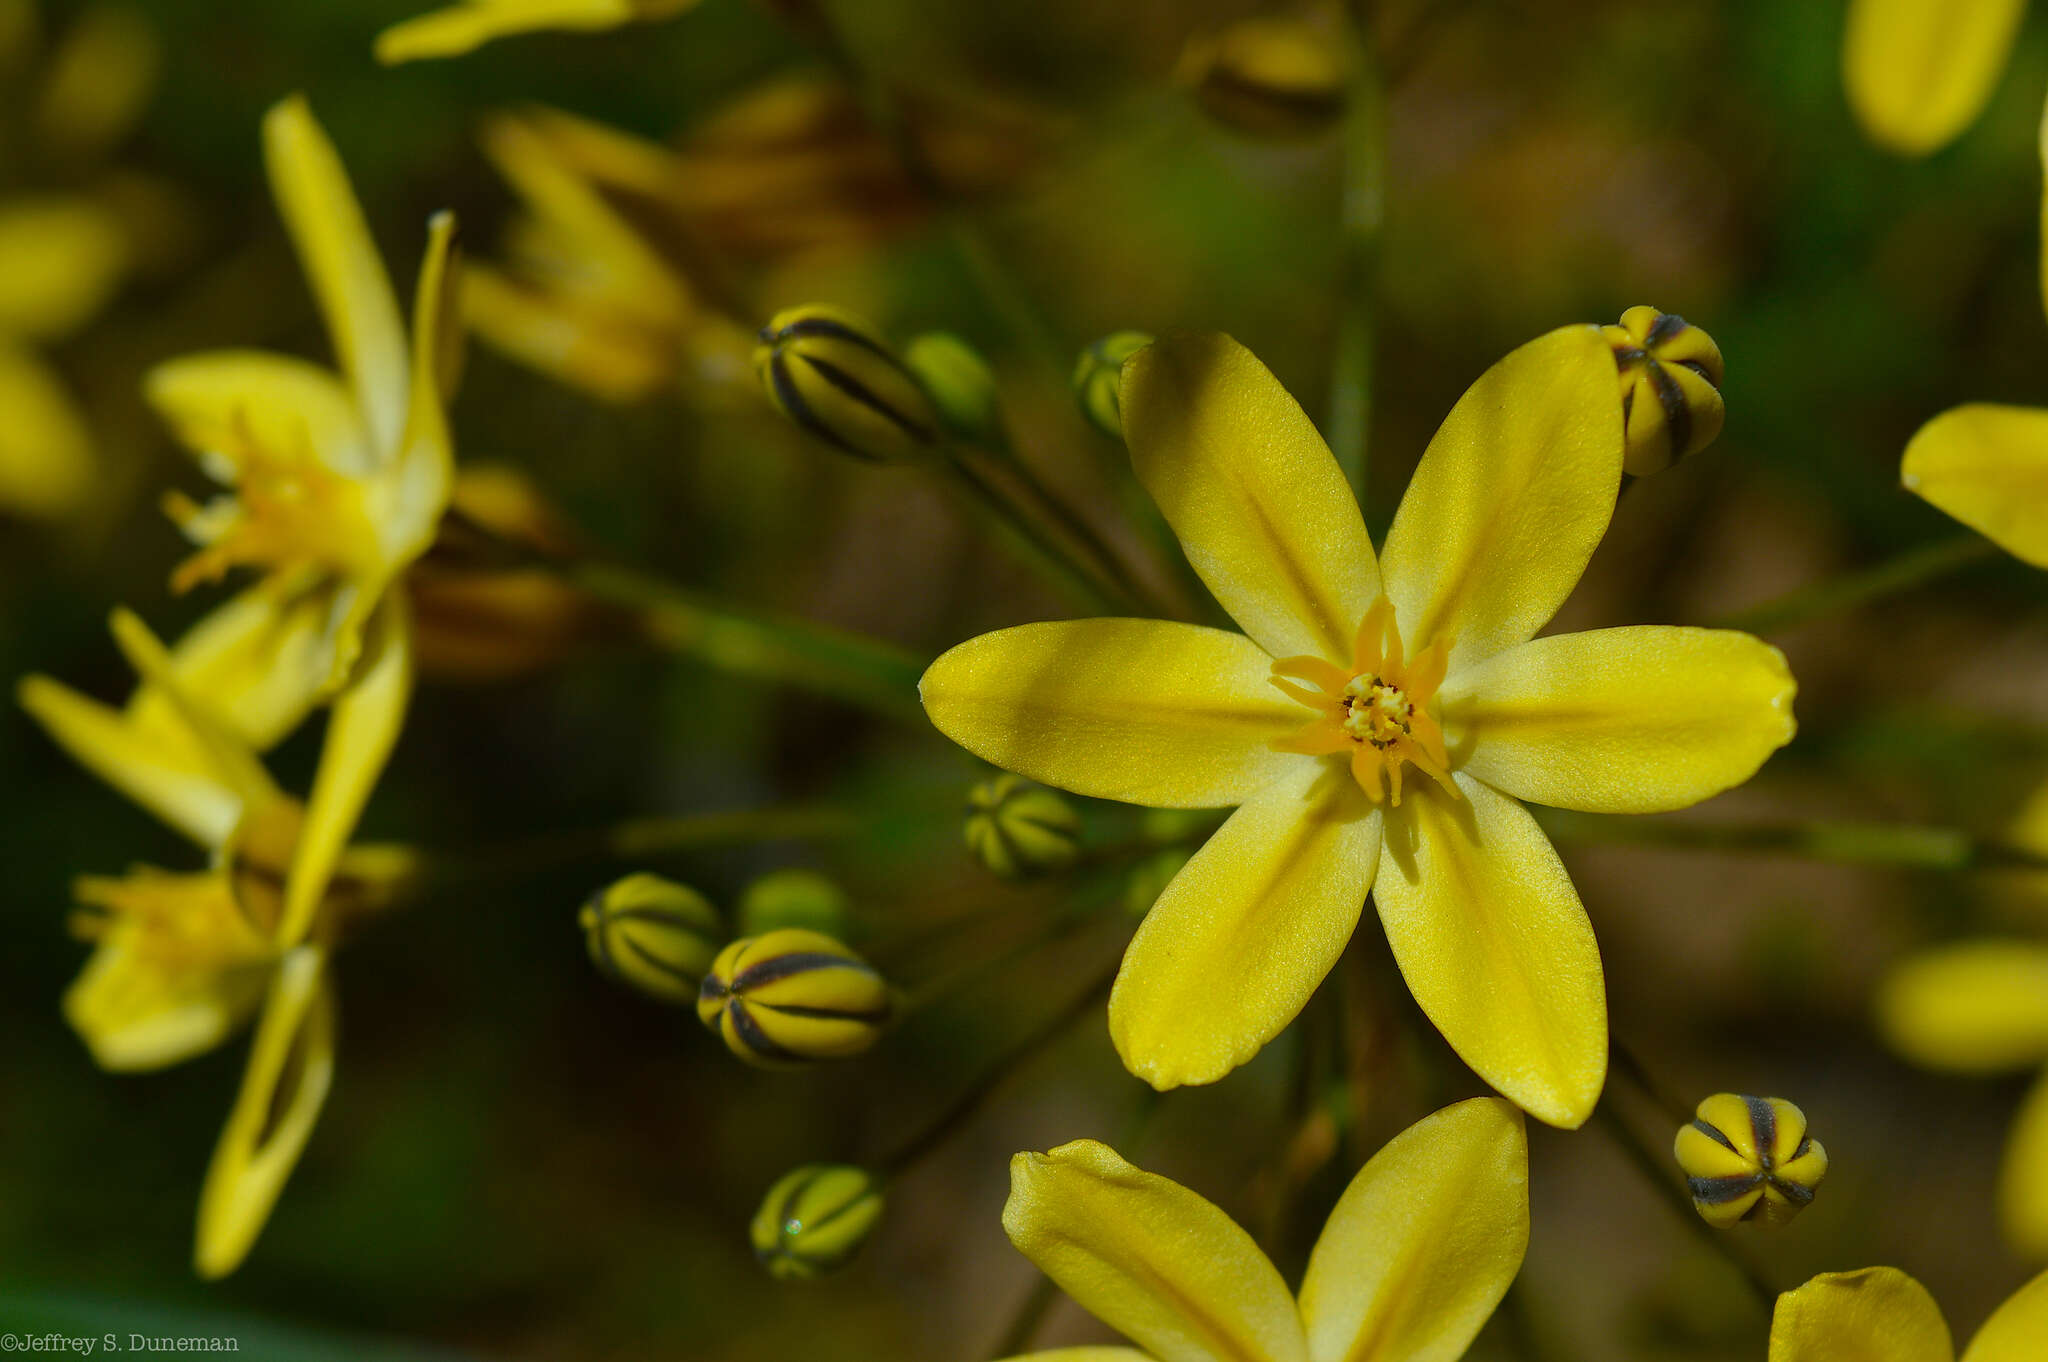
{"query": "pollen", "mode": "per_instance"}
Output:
(1375, 712)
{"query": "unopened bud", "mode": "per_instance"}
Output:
(1097, 376)
(791, 996)
(653, 935)
(959, 382)
(793, 898)
(1749, 1158)
(1277, 79)
(815, 1219)
(1018, 829)
(833, 375)
(1671, 375)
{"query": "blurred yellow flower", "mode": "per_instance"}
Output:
(1920, 71)
(182, 961)
(338, 483)
(1981, 1007)
(1879, 1314)
(1353, 668)
(1414, 1258)
(469, 24)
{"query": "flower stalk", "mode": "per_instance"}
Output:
(1915, 567)
(1361, 216)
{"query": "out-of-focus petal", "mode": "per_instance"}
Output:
(1875, 1314)
(1253, 493)
(1424, 1242)
(1974, 1007)
(226, 404)
(464, 27)
(1494, 944)
(1146, 1256)
(1510, 499)
(135, 1015)
(1636, 720)
(1920, 71)
(1245, 932)
(46, 455)
(424, 476)
(1987, 466)
(2023, 1180)
(60, 261)
(2017, 1330)
(98, 83)
(1171, 715)
(174, 782)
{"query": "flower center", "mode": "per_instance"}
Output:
(1376, 711)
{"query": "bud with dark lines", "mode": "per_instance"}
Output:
(652, 935)
(1018, 829)
(791, 996)
(832, 374)
(814, 1219)
(1671, 374)
(1749, 1158)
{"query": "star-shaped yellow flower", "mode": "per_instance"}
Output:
(1378, 719)
(1414, 1258)
(1879, 1314)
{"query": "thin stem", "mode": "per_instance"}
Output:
(1075, 525)
(640, 839)
(1032, 535)
(1909, 569)
(1361, 215)
(1626, 1064)
(1655, 1173)
(1904, 845)
(1029, 1319)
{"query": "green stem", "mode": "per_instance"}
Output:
(1904, 845)
(1030, 1317)
(639, 839)
(1031, 534)
(1674, 1196)
(1909, 569)
(1361, 215)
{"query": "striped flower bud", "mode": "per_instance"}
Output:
(1671, 374)
(1018, 829)
(959, 382)
(815, 1219)
(789, 996)
(833, 374)
(1098, 375)
(652, 935)
(1749, 1158)
(793, 898)
(1276, 79)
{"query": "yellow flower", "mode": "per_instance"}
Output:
(469, 24)
(1920, 71)
(1981, 1007)
(1415, 1256)
(1379, 718)
(1879, 1314)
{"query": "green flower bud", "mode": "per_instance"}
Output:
(1098, 374)
(1148, 879)
(959, 382)
(1749, 1158)
(1277, 79)
(790, 996)
(653, 935)
(815, 1219)
(1018, 829)
(833, 374)
(1671, 376)
(793, 898)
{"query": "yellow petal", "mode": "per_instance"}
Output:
(1495, 946)
(462, 28)
(1920, 71)
(1252, 491)
(1875, 1314)
(2023, 1178)
(60, 261)
(224, 402)
(1424, 1242)
(46, 457)
(135, 1014)
(1149, 1258)
(361, 731)
(340, 259)
(267, 1129)
(1082, 1355)
(2017, 1329)
(573, 342)
(1987, 466)
(229, 758)
(1172, 715)
(1974, 1007)
(98, 83)
(424, 476)
(258, 662)
(1510, 499)
(174, 781)
(1240, 938)
(1636, 720)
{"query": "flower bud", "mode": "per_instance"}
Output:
(1749, 1158)
(1671, 376)
(815, 1219)
(1019, 830)
(959, 382)
(833, 374)
(1275, 79)
(793, 898)
(653, 935)
(1098, 374)
(789, 996)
